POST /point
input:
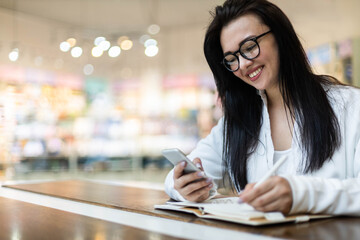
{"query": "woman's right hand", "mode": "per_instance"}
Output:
(194, 186)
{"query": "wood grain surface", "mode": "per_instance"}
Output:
(20, 220)
(125, 198)
(142, 201)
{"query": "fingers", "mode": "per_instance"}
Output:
(192, 186)
(266, 202)
(186, 179)
(195, 186)
(178, 169)
(251, 193)
(198, 163)
(198, 191)
(269, 203)
(273, 195)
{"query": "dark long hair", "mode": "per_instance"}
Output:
(301, 89)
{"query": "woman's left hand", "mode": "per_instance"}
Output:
(273, 195)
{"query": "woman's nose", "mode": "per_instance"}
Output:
(244, 63)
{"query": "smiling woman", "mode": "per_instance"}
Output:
(251, 36)
(274, 107)
(248, 49)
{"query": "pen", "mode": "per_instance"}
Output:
(270, 173)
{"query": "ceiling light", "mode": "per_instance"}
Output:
(154, 29)
(151, 51)
(65, 46)
(88, 69)
(121, 39)
(14, 55)
(98, 40)
(126, 44)
(114, 51)
(104, 45)
(150, 42)
(76, 52)
(143, 38)
(71, 41)
(97, 51)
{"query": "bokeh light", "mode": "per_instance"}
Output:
(151, 51)
(14, 55)
(126, 44)
(76, 52)
(114, 51)
(65, 46)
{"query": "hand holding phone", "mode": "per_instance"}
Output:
(191, 182)
(175, 156)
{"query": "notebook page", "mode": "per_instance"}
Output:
(238, 211)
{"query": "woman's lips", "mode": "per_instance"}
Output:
(255, 74)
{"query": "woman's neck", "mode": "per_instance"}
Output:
(281, 122)
(274, 97)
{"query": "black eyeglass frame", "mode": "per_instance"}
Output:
(254, 39)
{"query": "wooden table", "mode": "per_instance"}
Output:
(141, 201)
(20, 220)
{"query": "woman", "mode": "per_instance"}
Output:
(274, 107)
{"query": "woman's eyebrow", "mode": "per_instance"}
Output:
(228, 53)
(245, 39)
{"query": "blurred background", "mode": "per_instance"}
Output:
(96, 89)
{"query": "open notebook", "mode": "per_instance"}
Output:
(228, 209)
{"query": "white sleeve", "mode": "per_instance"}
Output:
(330, 196)
(323, 195)
(317, 194)
(209, 150)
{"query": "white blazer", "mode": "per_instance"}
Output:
(333, 189)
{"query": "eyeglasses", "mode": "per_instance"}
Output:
(249, 49)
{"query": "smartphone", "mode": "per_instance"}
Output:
(175, 156)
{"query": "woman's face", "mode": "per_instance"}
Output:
(261, 72)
